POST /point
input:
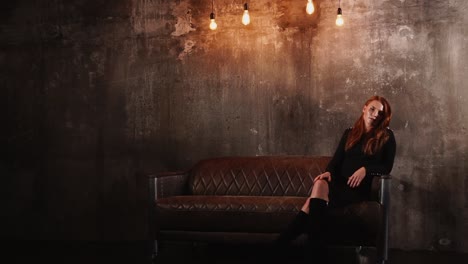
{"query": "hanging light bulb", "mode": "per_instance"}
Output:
(246, 16)
(310, 7)
(213, 24)
(339, 19)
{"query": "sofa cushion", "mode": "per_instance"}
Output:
(262, 214)
(256, 176)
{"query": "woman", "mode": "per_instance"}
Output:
(365, 150)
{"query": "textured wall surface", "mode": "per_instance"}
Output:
(96, 92)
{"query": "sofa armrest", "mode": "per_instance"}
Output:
(380, 188)
(163, 185)
(384, 190)
(168, 184)
(381, 193)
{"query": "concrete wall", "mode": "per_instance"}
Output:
(96, 92)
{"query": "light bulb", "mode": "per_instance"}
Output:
(339, 18)
(310, 7)
(246, 16)
(213, 24)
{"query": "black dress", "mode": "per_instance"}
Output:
(345, 163)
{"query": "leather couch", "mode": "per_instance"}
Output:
(252, 199)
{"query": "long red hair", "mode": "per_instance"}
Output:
(376, 138)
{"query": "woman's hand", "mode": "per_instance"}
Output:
(356, 179)
(324, 176)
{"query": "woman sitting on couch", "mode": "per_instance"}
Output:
(365, 150)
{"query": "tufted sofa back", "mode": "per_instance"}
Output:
(256, 176)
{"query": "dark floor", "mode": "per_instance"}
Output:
(257, 254)
(138, 252)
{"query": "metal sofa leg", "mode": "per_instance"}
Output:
(385, 201)
(154, 251)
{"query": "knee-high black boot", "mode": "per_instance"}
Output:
(316, 231)
(296, 227)
(283, 249)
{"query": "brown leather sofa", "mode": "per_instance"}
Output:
(252, 199)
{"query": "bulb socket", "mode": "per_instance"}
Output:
(339, 11)
(246, 7)
(212, 16)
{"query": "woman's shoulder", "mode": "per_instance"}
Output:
(389, 131)
(347, 130)
(391, 135)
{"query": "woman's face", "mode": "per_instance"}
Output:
(372, 113)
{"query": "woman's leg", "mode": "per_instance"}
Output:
(319, 191)
(296, 227)
(316, 226)
(299, 223)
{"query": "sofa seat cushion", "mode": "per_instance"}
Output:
(263, 214)
(259, 214)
